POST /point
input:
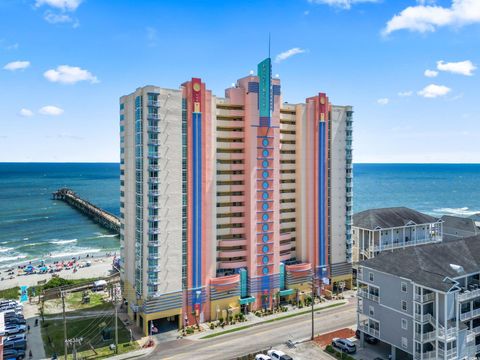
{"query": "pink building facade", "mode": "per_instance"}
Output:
(256, 202)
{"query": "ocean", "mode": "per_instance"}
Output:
(33, 226)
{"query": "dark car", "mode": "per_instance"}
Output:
(344, 345)
(15, 344)
(368, 338)
(15, 354)
(15, 321)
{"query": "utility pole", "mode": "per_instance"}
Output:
(313, 313)
(116, 320)
(64, 326)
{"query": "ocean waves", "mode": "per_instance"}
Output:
(463, 211)
(63, 242)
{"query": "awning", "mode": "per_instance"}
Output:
(285, 292)
(247, 300)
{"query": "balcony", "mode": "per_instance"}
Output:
(153, 103)
(154, 231)
(425, 337)
(477, 348)
(369, 330)
(476, 330)
(424, 298)
(154, 218)
(153, 243)
(426, 355)
(470, 314)
(153, 117)
(154, 168)
(153, 129)
(365, 294)
(153, 142)
(424, 318)
(153, 257)
(468, 295)
(450, 354)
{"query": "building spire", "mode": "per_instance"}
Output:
(269, 44)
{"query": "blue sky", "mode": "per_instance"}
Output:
(65, 63)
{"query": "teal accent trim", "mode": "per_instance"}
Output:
(282, 276)
(285, 292)
(243, 283)
(248, 300)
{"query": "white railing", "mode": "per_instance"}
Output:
(470, 314)
(424, 298)
(365, 294)
(450, 354)
(396, 245)
(424, 318)
(477, 348)
(468, 295)
(426, 355)
(369, 330)
(476, 330)
(425, 337)
(449, 333)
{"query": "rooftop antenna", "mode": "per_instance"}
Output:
(269, 45)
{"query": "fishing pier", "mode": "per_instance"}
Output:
(100, 216)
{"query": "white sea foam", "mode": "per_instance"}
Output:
(12, 258)
(63, 242)
(2, 250)
(463, 211)
(105, 236)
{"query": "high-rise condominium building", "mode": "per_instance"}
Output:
(231, 204)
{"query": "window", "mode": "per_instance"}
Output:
(370, 276)
(404, 324)
(404, 305)
(371, 311)
(404, 342)
(404, 287)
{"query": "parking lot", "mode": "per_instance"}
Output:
(13, 329)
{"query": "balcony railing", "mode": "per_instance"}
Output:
(154, 231)
(153, 116)
(153, 128)
(468, 295)
(153, 103)
(365, 294)
(400, 244)
(426, 355)
(424, 298)
(450, 354)
(425, 337)
(477, 348)
(470, 314)
(369, 330)
(424, 318)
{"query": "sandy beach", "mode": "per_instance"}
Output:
(100, 267)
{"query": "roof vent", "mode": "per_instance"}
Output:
(459, 269)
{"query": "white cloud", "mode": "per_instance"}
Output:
(25, 112)
(430, 73)
(64, 5)
(17, 65)
(405, 93)
(289, 53)
(66, 74)
(427, 18)
(343, 4)
(383, 101)
(152, 36)
(462, 67)
(54, 18)
(50, 110)
(433, 91)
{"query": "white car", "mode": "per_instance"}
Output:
(262, 357)
(278, 355)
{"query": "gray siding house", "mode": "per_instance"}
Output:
(423, 301)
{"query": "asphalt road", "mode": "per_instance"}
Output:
(257, 338)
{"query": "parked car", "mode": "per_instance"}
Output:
(262, 357)
(368, 338)
(344, 345)
(15, 321)
(13, 354)
(15, 344)
(14, 329)
(15, 337)
(278, 355)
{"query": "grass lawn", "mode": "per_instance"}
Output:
(13, 293)
(90, 329)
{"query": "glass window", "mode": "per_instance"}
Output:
(404, 305)
(404, 287)
(404, 342)
(265, 142)
(370, 276)
(404, 324)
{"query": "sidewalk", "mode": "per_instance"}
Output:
(254, 320)
(34, 338)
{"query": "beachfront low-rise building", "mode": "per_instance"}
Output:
(377, 230)
(424, 301)
(231, 203)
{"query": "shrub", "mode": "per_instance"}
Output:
(212, 326)
(330, 349)
(220, 320)
(190, 330)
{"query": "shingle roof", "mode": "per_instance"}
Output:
(460, 223)
(429, 264)
(390, 217)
